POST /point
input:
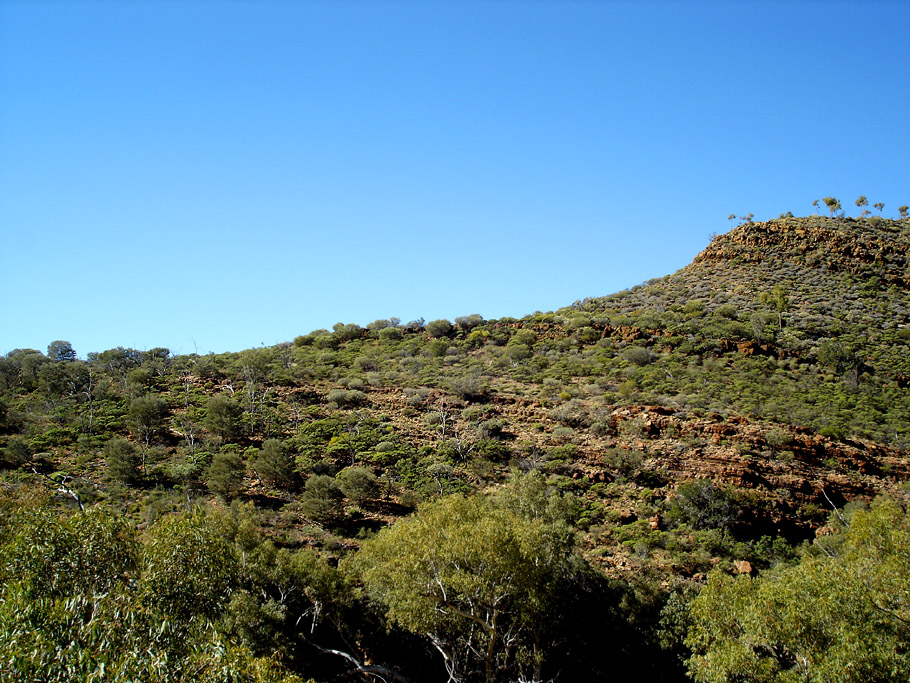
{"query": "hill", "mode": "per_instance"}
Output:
(712, 418)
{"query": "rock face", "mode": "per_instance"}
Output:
(845, 245)
(764, 457)
(742, 567)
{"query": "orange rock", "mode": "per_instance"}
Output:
(742, 567)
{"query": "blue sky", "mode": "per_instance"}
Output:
(212, 176)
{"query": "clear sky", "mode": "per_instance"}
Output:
(213, 176)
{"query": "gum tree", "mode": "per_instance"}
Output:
(475, 579)
(841, 615)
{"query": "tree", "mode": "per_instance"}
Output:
(904, 211)
(122, 460)
(701, 505)
(225, 475)
(861, 203)
(188, 566)
(222, 416)
(439, 328)
(63, 379)
(274, 463)
(815, 204)
(832, 204)
(466, 323)
(84, 598)
(148, 414)
(778, 300)
(17, 451)
(842, 614)
(61, 351)
(879, 206)
(358, 484)
(346, 333)
(321, 500)
(474, 578)
(378, 325)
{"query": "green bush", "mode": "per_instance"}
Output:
(274, 463)
(346, 398)
(439, 328)
(321, 500)
(702, 505)
(358, 484)
(225, 475)
(122, 461)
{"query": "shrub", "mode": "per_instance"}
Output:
(223, 415)
(225, 475)
(378, 325)
(468, 322)
(122, 460)
(468, 388)
(345, 398)
(638, 355)
(526, 337)
(439, 328)
(16, 452)
(321, 500)
(517, 352)
(358, 483)
(274, 463)
(348, 332)
(572, 413)
(437, 348)
(701, 505)
(726, 311)
(390, 334)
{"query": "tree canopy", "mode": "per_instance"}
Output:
(473, 577)
(841, 615)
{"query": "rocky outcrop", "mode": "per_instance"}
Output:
(858, 246)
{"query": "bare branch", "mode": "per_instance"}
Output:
(61, 487)
(383, 673)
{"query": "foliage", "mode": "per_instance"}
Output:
(779, 360)
(275, 463)
(122, 460)
(321, 500)
(148, 413)
(838, 618)
(476, 579)
(222, 416)
(358, 483)
(187, 567)
(225, 475)
(439, 328)
(701, 505)
(832, 204)
(84, 598)
(61, 351)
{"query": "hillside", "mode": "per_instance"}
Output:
(712, 418)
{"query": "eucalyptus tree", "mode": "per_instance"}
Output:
(832, 203)
(475, 579)
(61, 351)
(841, 615)
(222, 416)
